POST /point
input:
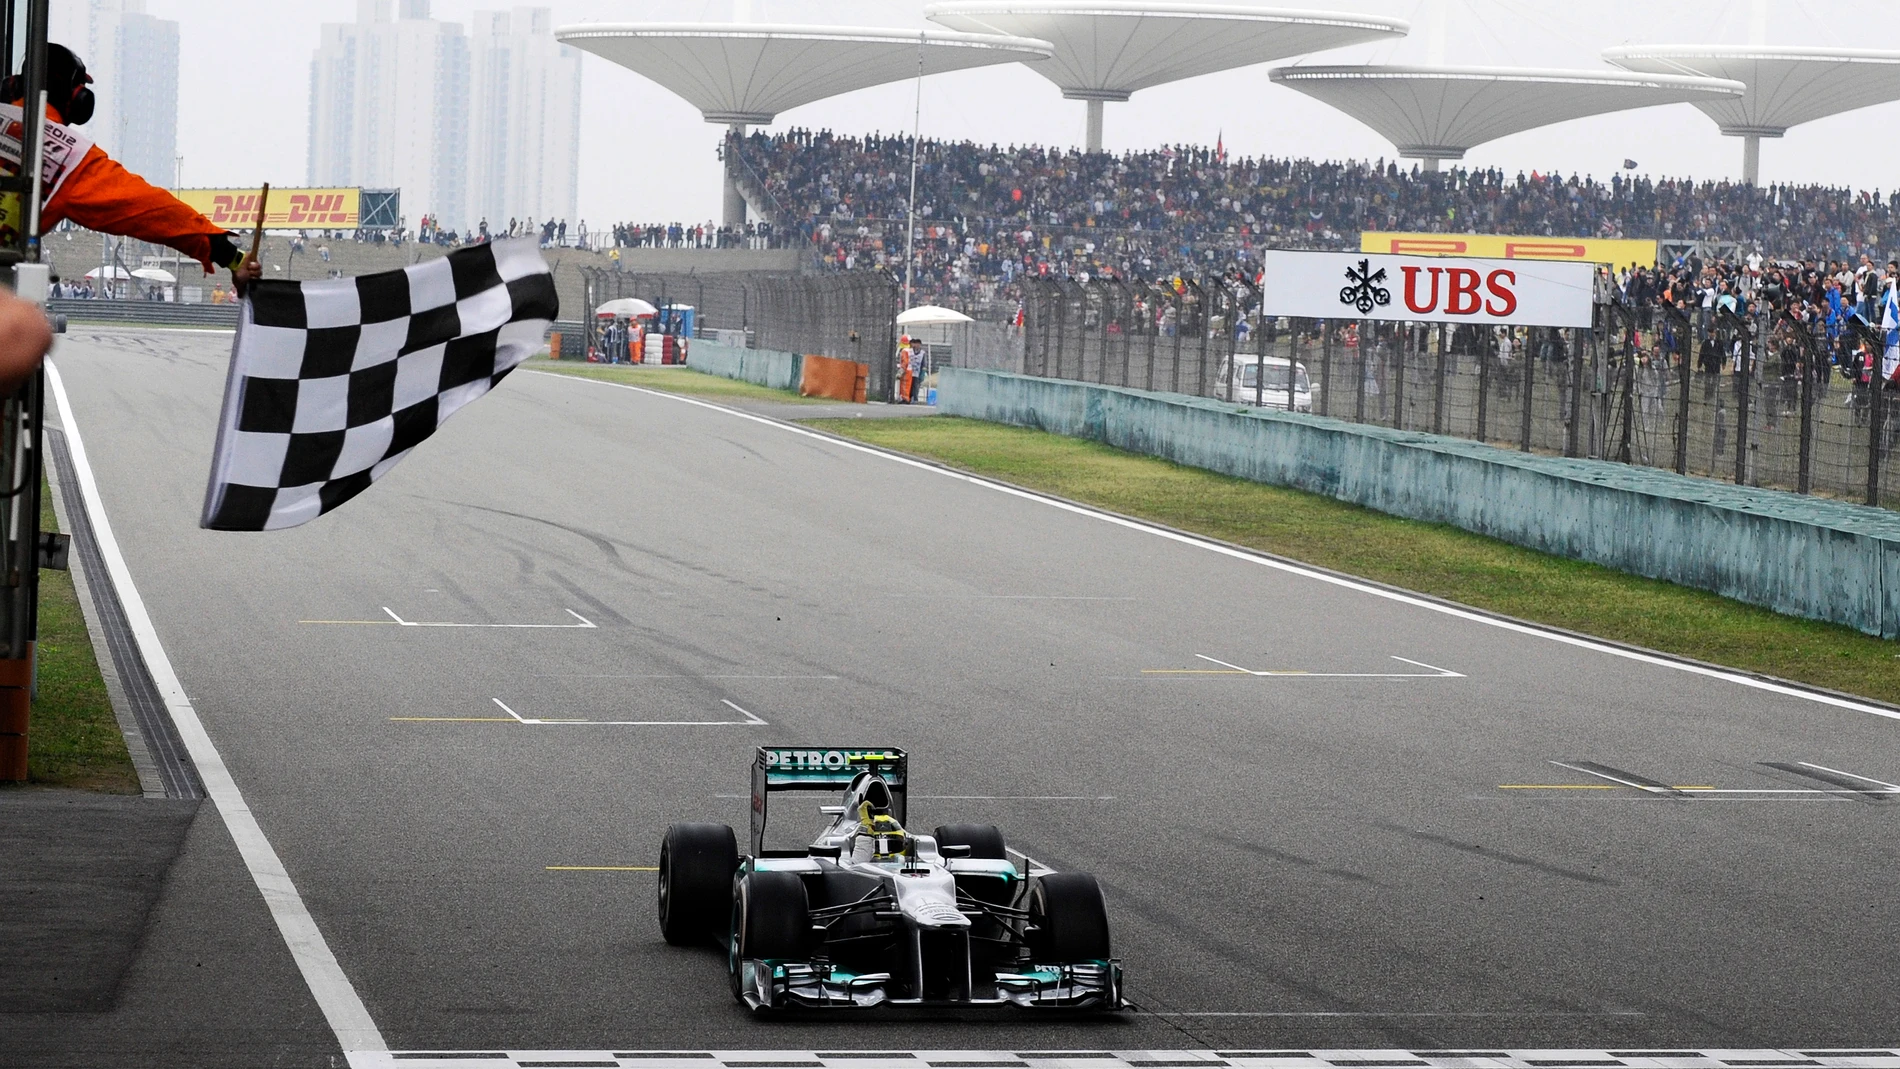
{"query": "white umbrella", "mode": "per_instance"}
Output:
(155, 274)
(927, 315)
(114, 272)
(626, 306)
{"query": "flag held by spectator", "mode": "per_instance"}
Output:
(334, 381)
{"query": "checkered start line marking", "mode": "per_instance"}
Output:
(1154, 1059)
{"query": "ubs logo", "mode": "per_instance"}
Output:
(1364, 291)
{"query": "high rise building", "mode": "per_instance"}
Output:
(134, 57)
(389, 108)
(524, 138)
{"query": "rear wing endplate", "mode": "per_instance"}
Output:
(830, 768)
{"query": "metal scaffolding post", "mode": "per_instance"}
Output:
(20, 429)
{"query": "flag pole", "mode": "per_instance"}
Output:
(257, 235)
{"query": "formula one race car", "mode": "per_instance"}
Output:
(870, 913)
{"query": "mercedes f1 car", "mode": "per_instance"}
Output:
(870, 913)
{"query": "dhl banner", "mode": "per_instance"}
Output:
(289, 209)
(1616, 252)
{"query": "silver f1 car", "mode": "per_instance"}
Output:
(870, 913)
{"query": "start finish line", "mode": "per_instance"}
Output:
(1428, 289)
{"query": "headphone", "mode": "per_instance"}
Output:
(66, 85)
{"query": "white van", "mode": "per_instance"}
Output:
(1240, 382)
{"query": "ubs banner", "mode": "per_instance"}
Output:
(1432, 289)
(289, 209)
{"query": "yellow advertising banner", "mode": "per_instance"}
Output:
(1617, 252)
(289, 209)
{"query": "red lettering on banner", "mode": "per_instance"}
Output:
(1502, 293)
(299, 209)
(1427, 247)
(1461, 297)
(1411, 289)
(1518, 250)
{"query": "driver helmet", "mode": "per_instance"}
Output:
(887, 836)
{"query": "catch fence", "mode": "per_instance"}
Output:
(849, 316)
(1763, 400)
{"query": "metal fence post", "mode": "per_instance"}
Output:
(1438, 386)
(1151, 326)
(1485, 342)
(1201, 327)
(1682, 406)
(1402, 342)
(1876, 422)
(1326, 332)
(1530, 383)
(1805, 474)
(1626, 453)
(1359, 388)
(1292, 353)
(1180, 326)
(1744, 378)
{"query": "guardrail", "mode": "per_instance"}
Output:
(150, 313)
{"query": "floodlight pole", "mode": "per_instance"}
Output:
(910, 220)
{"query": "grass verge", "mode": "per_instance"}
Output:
(1430, 558)
(674, 380)
(74, 740)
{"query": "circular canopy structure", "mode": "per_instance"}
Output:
(931, 315)
(1437, 113)
(627, 307)
(1786, 86)
(749, 72)
(1109, 49)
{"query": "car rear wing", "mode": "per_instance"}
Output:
(831, 768)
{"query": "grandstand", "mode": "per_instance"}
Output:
(988, 214)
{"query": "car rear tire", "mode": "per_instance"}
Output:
(1070, 919)
(984, 840)
(696, 866)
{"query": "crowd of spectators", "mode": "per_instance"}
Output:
(987, 214)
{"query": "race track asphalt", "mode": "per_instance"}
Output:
(1357, 857)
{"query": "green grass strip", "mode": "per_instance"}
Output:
(1430, 558)
(678, 380)
(73, 740)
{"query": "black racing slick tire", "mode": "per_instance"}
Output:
(984, 840)
(771, 918)
(774, 916)
(696, 866)
(1070, 919)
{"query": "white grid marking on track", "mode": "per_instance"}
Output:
(1490, 1058)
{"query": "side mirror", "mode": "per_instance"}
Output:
(954, 851)
(832, 810)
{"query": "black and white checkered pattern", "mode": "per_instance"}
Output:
(332, 382)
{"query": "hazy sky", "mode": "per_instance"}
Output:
(647, 156)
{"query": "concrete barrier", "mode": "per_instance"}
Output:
(765, 367)
(1804, 556)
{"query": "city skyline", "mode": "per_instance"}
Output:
(126, 45)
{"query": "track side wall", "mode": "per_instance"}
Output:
(1821, 559)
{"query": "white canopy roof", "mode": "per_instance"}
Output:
(1786, 86)
(930, 315)
(626, 306)
(1108, 49)
(155, 274)
(114, 272)
(749, 72)
(1436, 113)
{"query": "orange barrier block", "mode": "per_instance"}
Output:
(554, 345)
(840, 380)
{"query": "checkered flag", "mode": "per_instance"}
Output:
(332, 382)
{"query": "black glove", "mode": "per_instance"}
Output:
(225, 251)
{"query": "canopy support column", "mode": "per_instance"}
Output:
(1094, 142)
(734, 208)
(1429, 165)
(1751, 159)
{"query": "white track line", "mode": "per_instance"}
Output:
(584, 622)
(1267, 562)
(334, 994)
(749, 721)
(1850, 775)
